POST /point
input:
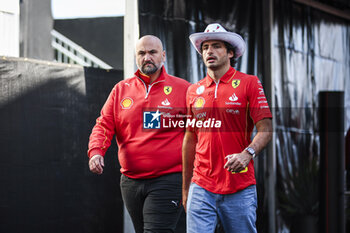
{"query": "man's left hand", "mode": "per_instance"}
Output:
(237, 162)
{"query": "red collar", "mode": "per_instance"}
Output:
(147, 78)
(227, 77)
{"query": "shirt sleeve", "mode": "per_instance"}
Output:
(104, 129)
(258, 105)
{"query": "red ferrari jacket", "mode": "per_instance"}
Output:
(132, 113)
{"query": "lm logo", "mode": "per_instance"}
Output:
(151, 120)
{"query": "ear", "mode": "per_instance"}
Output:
(163, 55)
(231, 54)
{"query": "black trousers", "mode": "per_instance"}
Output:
(154, 204)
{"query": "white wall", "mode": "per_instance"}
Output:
(9, 28)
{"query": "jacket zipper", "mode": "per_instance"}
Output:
(149, 86)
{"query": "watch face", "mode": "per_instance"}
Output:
(250, 150)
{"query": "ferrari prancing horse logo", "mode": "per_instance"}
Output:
(235, 83)
(167, 90)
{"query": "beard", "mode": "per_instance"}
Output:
(148, 69)
(219, 62)
(212, 66)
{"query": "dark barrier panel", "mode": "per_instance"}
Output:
(47, 111)
(310, 53)
(332, 164)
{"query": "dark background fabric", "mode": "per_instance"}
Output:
(47, 111)
(311, 54)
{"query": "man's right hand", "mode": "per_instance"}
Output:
(96, 164)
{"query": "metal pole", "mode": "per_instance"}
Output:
(267, 15)
(332, 163)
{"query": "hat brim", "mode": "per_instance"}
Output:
(232, 38)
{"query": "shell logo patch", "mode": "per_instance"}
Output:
(168, 89)
(199, 102)
(235, 83)
(126, 103)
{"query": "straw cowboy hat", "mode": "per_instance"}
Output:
(215, 31)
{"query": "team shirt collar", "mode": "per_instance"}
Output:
(227, 77)
(147, 78)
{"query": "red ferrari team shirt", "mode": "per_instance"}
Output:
(228, 111)
(132, 113)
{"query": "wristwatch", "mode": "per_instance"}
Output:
(251, 151)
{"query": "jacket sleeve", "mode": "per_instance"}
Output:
(104, 129)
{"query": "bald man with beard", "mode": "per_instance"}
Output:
(149, 154)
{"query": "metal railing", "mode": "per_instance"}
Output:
(66, 51)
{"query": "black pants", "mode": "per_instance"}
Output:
(154, 204)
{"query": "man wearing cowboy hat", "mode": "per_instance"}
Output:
(218, 166)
